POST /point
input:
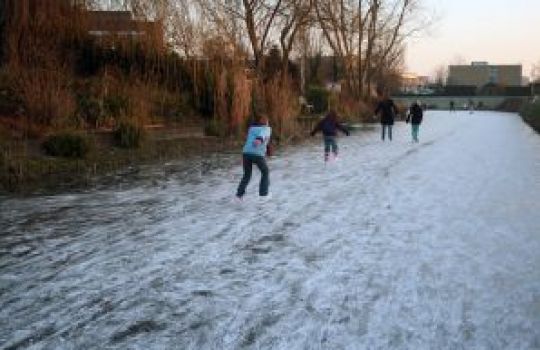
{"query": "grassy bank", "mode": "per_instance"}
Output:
(531, 114)
(24, 168)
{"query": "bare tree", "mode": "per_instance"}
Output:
(398, 20)
(3, 20)
(338, 21)
(535, 72)
(367, 36)
(293, 18)
(440, 75)
(185, 28)
(255, 18)
(150, 9)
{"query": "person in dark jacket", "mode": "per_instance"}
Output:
(470, 106)
(415, 116)
(387, 111)
(329, 127)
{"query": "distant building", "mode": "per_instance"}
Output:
(413, 83)
(22, 11)
(480, 74)
(112, 27)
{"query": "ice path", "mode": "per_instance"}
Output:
(396, 246)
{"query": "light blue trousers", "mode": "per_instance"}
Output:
(415, 129)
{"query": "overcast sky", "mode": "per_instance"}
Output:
(497, 31)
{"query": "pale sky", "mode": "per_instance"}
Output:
(497, 31)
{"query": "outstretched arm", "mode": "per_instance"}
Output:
(394, 107)
(343, 129)
(378, 108)
(317, 129)
(269, 149)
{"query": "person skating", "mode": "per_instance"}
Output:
(452, 106)
(471, 106)
(329, 127)
(257, 146)
(415, 116)
(387, 111)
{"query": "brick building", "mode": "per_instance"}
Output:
(112, 27)
(480, 74)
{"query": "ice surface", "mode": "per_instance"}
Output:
(398, 245)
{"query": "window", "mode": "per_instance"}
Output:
(494, 75)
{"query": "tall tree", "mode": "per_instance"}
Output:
(3, 13)
(366, 36)
(255, 18)
(293, 18)
(338, 22)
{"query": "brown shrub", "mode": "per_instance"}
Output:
(241, 101)
(282, 107)
(46, 95)
(233, 94)
(350, 108)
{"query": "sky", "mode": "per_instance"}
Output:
(496, 31)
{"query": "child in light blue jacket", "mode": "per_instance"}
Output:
(255, 149)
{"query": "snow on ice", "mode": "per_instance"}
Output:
(398, 245)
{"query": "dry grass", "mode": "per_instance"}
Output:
(46, 95)
(233, 94)
(241, 101)
(282, 107)
(42, 50)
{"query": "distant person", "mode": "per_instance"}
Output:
(329, 127)
(255, 149)
(415, 117)
(480, 105)
(471, 106)
(452, 106)
(387, 111)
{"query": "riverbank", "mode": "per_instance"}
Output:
(531, 114)
(25, 169)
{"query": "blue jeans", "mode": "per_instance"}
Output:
(330, 144)
(415, 129)
(260, 162)
(389, 127)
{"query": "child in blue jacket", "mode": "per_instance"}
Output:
(255, 149)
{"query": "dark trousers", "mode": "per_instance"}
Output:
(389, 127)
(330, 144)
(260, 162)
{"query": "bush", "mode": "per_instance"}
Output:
(214, 128)
(89, 109)
(128, 135)
(531, 114)
(67, 145)
(512, 104)
(318, 97)
(116, 106)
(10, 101)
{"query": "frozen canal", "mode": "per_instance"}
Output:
(396, 246)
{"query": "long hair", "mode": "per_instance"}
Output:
(262, 119)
